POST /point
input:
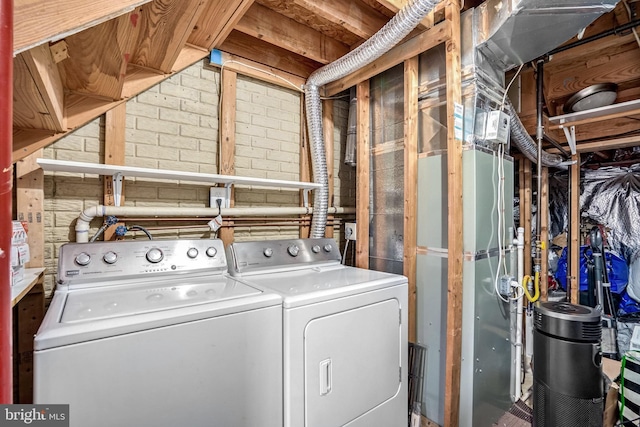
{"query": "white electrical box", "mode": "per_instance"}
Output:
(218, 193)
(350, 230)
(497, 129)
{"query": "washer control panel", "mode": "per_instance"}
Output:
(250, 256)
(104, 261)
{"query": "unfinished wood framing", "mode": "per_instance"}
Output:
(525, 210)
(227, 137)
(455, 222)
(574, 238)
(115, 121)
(411, 186)
(30, 205)
(543, 211)
(327, 126)
(362, 174)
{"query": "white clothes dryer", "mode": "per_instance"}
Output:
(153, 333)
(344, 328)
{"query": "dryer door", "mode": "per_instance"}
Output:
(352, 363)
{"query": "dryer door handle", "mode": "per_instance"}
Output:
(325, 377)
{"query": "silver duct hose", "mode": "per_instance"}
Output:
(388, 36)
(520, 137)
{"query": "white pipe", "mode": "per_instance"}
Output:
(517, 380)
(82, 223)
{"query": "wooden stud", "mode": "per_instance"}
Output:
(362, 175)
(411, 185)
(525, 210)
(227, 156)
(114, 154)
(305, 170)
(413, 47)
(574, 238)
(543, 211)
(455, 222)
(30, 205)
(327, 126)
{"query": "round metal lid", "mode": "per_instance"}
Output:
(566, 311)
(594, 96)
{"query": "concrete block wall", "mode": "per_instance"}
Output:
(174, 126)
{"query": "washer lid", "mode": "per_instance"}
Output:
(108, 302)
(311, 285)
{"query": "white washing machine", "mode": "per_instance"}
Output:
(154, 333)
(344, 328)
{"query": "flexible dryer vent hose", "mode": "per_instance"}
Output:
(388, 36)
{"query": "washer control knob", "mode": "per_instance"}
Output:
(83, 259)
(110, 257)
(315, 249)
(192, 253)
(293, 250)
(154, 255)
(327, 247)
(268, 252)
(211, 252)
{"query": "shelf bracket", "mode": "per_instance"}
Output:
(570, 134)
(227, 190)
(117, 188)
(305, 197)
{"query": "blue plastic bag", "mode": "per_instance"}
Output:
(617, 270)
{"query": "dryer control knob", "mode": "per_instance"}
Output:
(211, 252)
(328, 248)
(192, 253)
(110, 257)
(293, 250)
(268, 252)
(154, 255)
(315, 249)
(83, 259)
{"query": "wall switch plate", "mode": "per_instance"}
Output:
(350, 230)
(218, 193)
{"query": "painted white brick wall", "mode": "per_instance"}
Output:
(174, 125)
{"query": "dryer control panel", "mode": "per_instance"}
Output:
(268, 254)
(119, 260)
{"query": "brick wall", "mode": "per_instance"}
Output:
(174, 125)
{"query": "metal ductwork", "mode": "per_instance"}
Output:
(517, 31)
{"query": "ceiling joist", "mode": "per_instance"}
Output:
(217, 21)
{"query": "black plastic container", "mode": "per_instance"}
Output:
(567, 366)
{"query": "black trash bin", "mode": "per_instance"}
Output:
(567, 366)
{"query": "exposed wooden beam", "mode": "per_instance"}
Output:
(114, 154)
(413, 47)
(455, 222)
(258, 71)
(265, 53)
(38, 100)
(263, 23)
(37, 22)
(362, 174)
(396, 5)
(611, 144)
(80, 109)
(543, 211)
(217, 21)
(354, 16)
(525, 208)
(30, 205)
(574, 238)
(165, 26)
(227, 143)
(411, 186)
(98, 56)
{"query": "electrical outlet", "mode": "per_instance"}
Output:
(350, 230)
(218, 193)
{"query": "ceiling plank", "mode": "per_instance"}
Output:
(37, 21)
(217, 21)
(418, 44)
(318, 23)
(265, 24)
(46, 78)
(165, 27)
(98, 56)
(265, 53)
(37, 91)
(354, 16)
